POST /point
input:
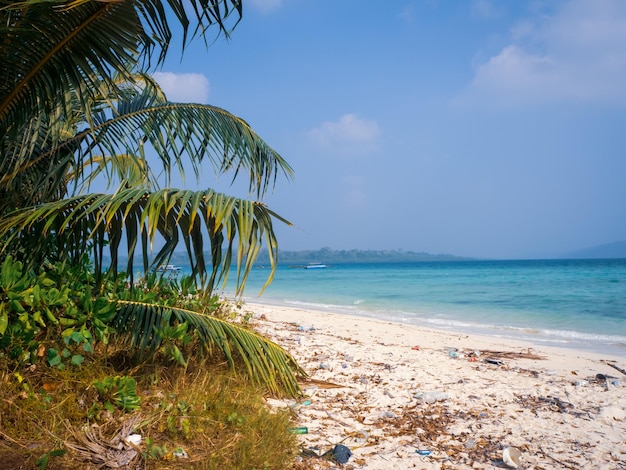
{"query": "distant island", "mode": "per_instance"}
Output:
(329, 256)
(607, 250)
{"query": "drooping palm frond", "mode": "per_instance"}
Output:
(50, 49)
(265, 361)
(180, 134)
(141, 121)
(75, 226)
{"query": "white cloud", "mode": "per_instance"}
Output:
(350, 134)
(575, 55)
(184, 87)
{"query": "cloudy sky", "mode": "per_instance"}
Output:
(486, 128)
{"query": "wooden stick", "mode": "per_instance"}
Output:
(615, 367)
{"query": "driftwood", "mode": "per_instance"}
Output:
(488, 354)
(610, 364)
(308, 383)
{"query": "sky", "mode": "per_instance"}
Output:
(480, 128)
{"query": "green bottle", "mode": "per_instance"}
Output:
(300, 430)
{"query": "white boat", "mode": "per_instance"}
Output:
(168, 267)
(315, 266)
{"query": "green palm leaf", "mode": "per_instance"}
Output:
(52, 51)
(82, 223)
(266, 362)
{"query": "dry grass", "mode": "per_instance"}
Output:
(206, 412)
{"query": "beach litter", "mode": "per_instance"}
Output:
(299, 430)
(511, 456)
(340, 454)
(431, 397)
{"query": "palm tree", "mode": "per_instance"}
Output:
(76, 105)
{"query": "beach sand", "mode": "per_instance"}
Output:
(391, 392)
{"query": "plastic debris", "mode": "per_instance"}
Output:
(431, 397)
(496, 362)
(512, 456)
(134, 439)
(299, 430)
(340, 454)
(180, 454)
(423, 452)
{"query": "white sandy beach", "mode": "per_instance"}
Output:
(400, 392)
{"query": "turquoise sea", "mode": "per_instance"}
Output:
(567, 303)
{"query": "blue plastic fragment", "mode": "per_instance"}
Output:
(423, 452)
(340, 454)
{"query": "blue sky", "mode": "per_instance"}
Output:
(488, 128)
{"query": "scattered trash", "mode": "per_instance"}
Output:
(363, 436)
(423, 452)
(306, 328)
(295, 405)
(604, 377)
(180, 454)
(389, 394)
(453, 352)
(299, 430)
(512, 457)
(134, 439)
(388, 415)
(431, 397)
(415, 348)
(323, 365)
(496, 362)
(340, 454)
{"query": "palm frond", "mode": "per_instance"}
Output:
(50, 49)
(183, 133)
(179, 134)
(81, 223)
(266, 362)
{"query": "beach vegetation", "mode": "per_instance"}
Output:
(88, 147)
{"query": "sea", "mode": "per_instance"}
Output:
(578, 304)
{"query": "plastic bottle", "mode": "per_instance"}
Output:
(299, 430)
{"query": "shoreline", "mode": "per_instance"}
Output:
(400, 389)
(537, 338)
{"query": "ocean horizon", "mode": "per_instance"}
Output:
(572, 303)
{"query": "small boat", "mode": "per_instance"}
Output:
(168, 267)
(309, 266)
(315, 266)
